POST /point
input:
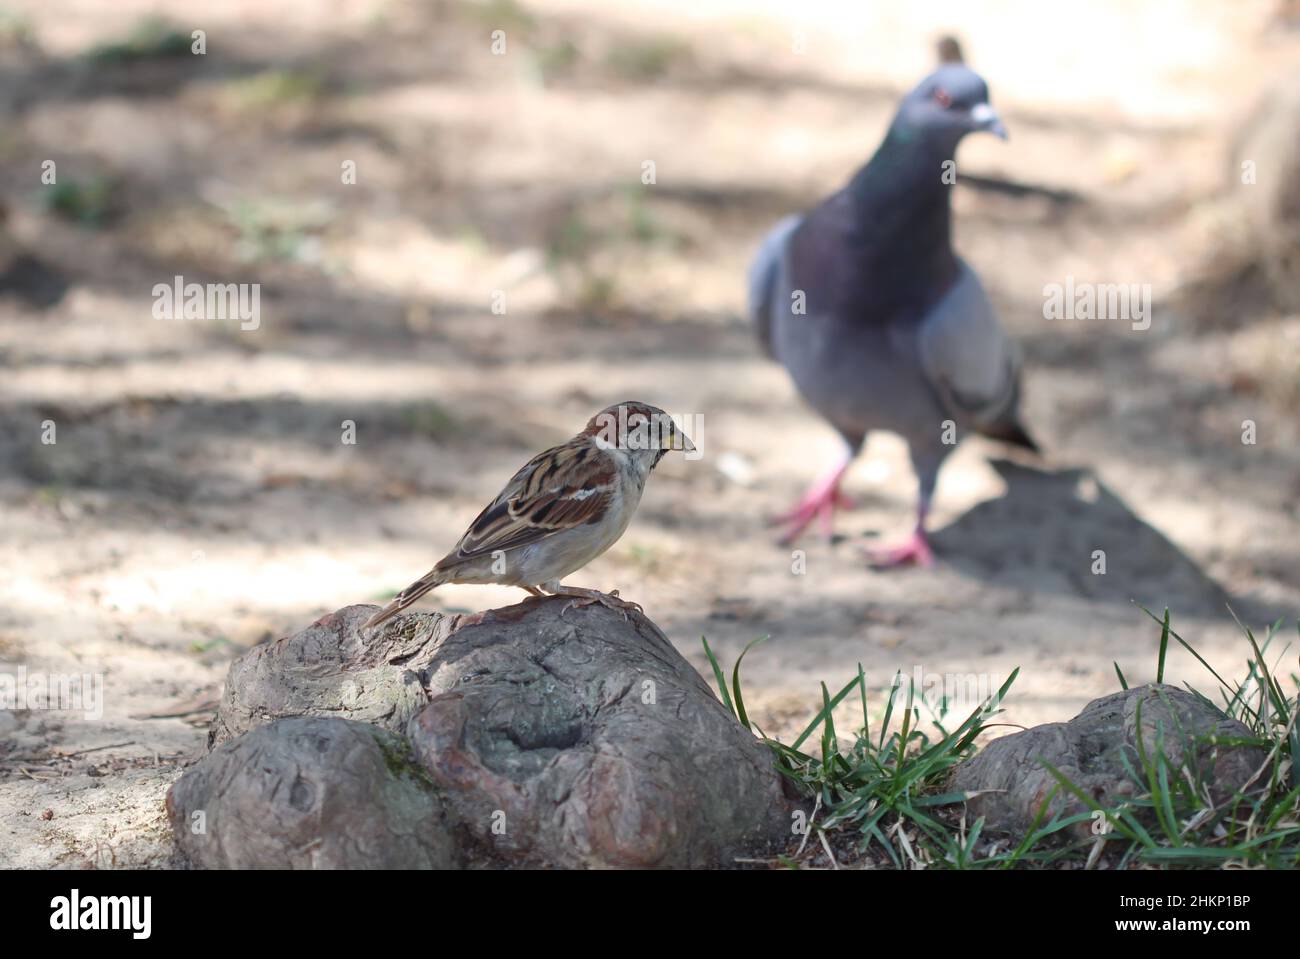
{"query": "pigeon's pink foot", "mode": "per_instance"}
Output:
(820, 504)
(915, 550)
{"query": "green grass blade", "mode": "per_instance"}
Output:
(830, 742)
(735, 683)
(1164, 648)
(889, 708)
(1187, 646)
(862, 691)
(821, 716)
(717, 675)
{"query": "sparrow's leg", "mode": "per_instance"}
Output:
(586, 597)
(533, 590)
(820, 502)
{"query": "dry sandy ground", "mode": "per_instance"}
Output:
(199, 498)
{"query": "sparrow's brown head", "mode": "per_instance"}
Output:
(641, 430)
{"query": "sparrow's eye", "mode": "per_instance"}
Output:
(942, 98)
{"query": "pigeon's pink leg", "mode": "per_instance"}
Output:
(821, 501)
(915, 549)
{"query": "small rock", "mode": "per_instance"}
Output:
(1090, 750)
(310, 793)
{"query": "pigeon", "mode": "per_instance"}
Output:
(949, 50)
(879, 323)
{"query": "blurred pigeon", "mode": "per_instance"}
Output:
(949, 50)
(879, 323)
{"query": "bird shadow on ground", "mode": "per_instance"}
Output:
(1064, 531)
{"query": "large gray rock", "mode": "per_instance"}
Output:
(310, 793)
(329, 669)
(535, 735)
(587, 740)
(1091, 749)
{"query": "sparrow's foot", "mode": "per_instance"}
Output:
(588, 597)
(915, 550)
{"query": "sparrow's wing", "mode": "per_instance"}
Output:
(557, 490)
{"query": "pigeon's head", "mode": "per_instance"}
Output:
(948, 104)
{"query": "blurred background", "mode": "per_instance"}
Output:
(200, 497)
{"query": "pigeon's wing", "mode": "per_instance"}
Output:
(557, 490)
(764, 274)
(968, 359)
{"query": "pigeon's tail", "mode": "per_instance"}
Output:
(1012, 433)
(408, 596)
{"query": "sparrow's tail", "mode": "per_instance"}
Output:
(408, 596)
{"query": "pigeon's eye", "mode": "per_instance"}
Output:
(942, 98)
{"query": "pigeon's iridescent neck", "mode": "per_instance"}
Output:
(907, 154)
(902, 216)
(907, 176)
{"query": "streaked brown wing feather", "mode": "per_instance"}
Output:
(556, 490)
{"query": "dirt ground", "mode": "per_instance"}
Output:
(199, 498)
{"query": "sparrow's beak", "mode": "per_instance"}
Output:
(687, 446)
(986, 118)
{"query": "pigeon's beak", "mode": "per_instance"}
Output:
(984, 117)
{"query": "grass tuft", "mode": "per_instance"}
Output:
(153, 38)
(883, 798)
(87, 203)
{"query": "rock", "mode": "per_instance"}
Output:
(537, 735)
(586, 740)
(1089, 750)
(310, 793)
(329, 670)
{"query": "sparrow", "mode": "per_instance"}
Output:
(879, 323)
(561, 510)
